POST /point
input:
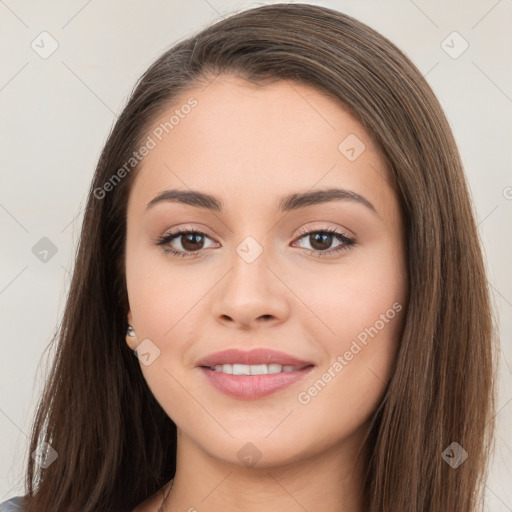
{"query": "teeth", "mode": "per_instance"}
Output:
(253, 369)
(274, 368)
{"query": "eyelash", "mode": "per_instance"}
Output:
(347, 242)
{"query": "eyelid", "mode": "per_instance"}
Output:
(308, 228)
(303, 230)
(346, 240)
(185, 228)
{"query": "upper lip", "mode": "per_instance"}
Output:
(255, 356)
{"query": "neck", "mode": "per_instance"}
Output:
(330, 480)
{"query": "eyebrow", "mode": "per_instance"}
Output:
(288, 203)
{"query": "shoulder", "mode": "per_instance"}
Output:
(13, 505)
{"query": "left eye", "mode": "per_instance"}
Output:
(192, 241)
(321, 240)
(324, 237)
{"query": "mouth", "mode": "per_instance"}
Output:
(253, 374)
(254, 369)
(254, 357)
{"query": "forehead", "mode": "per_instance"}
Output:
(249, 143)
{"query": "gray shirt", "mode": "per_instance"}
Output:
(13, 505)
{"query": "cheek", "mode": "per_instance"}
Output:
(165, 304)
(345, 300)
(360, 308)
(347, 389)
(163, 294)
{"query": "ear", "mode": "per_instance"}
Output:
(131, 342)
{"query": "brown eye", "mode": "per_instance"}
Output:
(191, 241)
(320, 241)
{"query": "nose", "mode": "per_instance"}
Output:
(251, 294)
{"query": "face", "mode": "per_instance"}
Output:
(321, 280)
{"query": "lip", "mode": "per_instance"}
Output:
(253, 386)
(255, 356)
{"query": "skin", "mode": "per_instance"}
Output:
(249, 146)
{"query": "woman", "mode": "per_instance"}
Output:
(280, 230)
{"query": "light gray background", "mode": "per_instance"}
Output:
(57, 112)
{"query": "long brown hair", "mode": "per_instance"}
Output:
(115, 444)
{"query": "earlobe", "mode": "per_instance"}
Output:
(130, 337)
(130, 332)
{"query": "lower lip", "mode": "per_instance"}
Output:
(253, 386)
